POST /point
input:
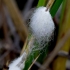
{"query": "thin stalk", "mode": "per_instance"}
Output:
(50, 3)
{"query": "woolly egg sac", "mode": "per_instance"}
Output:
(41, 24)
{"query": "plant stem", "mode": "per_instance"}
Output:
(55, 7)
(50, 3)
(41, 3)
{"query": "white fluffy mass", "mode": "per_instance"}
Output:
(18, 64)
(41, 24)
(14, 68)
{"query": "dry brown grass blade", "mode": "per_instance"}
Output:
(24, 47)
(5, 28)
(33, 62)
(18, 21)
(50, 3)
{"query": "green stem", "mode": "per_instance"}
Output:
(55, 7)
(41, 3)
